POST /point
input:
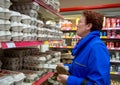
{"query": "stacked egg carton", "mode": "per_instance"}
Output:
(34, 29)
(29, 20)
(31, 76)
(13, 59)
(49, 33)
(5, 34)
(55, 33)
(11, 77)
(30, 8)
(16, 26)
(41, 62)
(30, 61)
(23, 27)
(6, 80)
(11, 63)
(36, 63)
(36, 25)
(54, 4)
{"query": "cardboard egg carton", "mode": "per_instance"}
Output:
(5, 25)
(15, 16)
(5, 36)
(5, 3)
(4, 13)
(25, 6)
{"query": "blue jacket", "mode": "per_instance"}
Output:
(91, 62)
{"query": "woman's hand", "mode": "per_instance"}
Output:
(62, 78)
(60, 64)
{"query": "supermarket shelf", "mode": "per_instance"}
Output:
(69, 30)
(115, 73)
(105, 37)
(43, 78)
(64, 47)
(71, 47)
(115, 61)
(114, 48)
(111, 28)
(67, 37)
(48, 10)
(20, 44)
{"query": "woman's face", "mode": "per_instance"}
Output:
(82, 28)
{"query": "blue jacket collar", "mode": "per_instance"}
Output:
(83, 42)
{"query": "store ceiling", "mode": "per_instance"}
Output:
(69, 4)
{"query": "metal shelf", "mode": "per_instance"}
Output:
(43, 78)
(12, 44)
(48, 10)
(111, 28)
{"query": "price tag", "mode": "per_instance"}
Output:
(112, 72)
(61, 46)
(110, 28)
(112, 48)
(10, 44)
(68, 46)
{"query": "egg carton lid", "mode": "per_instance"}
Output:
(6, 80)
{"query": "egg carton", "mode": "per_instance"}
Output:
(16, 27)
(19, 53)
(17, 38)
(30, 75)
(15, 16)
(4, 13)
(5, 3)
(17, 76)
(31, 13)
(5, 38)
(26, 29)
(25, 6)
(6, 80)
(5, 25)
(5, 34)
(26, 19)
(14, 68)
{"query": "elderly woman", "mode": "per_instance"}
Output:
(91, 64)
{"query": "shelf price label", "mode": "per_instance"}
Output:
(61, 46)
(10, 44)
(69, 46)
(112, 72)
(112, 48)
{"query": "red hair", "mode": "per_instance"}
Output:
(96, 19)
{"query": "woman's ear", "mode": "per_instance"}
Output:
(89, 26)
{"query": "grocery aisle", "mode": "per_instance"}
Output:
(36, 35)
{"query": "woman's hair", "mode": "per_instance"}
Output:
(96, 19)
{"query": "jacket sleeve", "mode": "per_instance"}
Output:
(98, 68)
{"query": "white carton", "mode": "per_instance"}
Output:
(4, 13)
